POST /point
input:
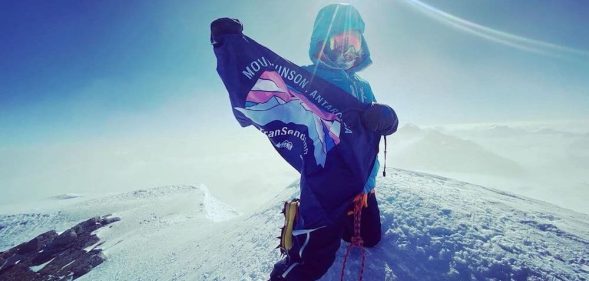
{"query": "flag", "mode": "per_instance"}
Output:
(314, 125)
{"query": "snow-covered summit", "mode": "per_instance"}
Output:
(434, 228)
(149, 207)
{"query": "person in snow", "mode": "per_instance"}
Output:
(338, 50)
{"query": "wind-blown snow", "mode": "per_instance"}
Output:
(434, 228)
(67, 196)
(215, 209)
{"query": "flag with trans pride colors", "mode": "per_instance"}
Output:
(314, 125)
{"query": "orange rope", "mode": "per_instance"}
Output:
(360, 201)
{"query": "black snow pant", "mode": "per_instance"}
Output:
(314, 250)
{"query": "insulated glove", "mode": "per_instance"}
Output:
(380, 118)
(223, 26)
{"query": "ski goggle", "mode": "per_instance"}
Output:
(343, 42)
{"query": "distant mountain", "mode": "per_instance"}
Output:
(432, 150)
(508, 131)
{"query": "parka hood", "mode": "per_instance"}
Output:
(333, 19)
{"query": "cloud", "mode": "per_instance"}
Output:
(497, 36)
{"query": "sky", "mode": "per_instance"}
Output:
(109, 77)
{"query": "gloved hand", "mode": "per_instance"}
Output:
(223, 26)
(380, 118)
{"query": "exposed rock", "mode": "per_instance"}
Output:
(52, 256)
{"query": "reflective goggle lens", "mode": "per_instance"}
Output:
(344, 41)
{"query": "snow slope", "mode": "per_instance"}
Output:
(434, 229)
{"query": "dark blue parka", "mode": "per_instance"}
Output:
(326, 24)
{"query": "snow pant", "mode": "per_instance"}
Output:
(314, 250)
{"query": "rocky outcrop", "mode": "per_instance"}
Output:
(53, 256)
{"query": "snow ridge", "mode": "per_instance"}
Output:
(434, 228)
(216, 210)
